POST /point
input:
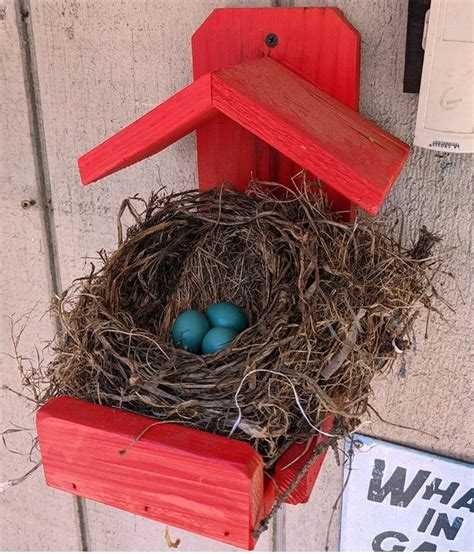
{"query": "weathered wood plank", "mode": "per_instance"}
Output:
(434, 189)
(102, 65)
(33, 517)
(101, 68)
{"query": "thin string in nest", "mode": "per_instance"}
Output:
(330, 303)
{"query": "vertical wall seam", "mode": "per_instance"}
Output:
(81, 512)
(32, 92)
(37, 137)
(279, 530)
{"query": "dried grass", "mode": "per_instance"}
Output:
(329, 302)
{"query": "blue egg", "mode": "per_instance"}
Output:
(189, 330)
(226, 314)
(217, 339)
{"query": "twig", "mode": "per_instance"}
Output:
(319, 449)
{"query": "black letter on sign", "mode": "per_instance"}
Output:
(377, 542)
(426, 520)
(450, 530)
(433, 488)
(466, 501)
(395, 486)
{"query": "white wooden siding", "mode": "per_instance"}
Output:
(99, 64)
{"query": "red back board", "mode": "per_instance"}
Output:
(318, 43)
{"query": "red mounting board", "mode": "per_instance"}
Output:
(205, 483)
(317, 43)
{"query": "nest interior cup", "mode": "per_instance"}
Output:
(325, 301)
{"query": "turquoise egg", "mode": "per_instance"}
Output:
(217, 339)
(189, 330)
(226, 314)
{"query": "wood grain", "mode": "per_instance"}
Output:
(33, 517)
(204, 483)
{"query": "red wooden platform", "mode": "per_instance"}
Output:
(204, 483)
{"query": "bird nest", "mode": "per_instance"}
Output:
(330, 304)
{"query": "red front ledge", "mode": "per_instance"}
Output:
(204, 483)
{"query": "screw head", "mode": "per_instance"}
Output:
(271, 40)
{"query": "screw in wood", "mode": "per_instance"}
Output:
(271, 40)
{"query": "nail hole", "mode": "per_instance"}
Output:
(25, 204)
(271, 40)
(147, 508)
(226, 533)
(74, 486)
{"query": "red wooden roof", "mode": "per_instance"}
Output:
(350, 154)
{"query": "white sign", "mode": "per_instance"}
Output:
(399, 499)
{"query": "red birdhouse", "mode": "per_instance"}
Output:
(276, 90)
